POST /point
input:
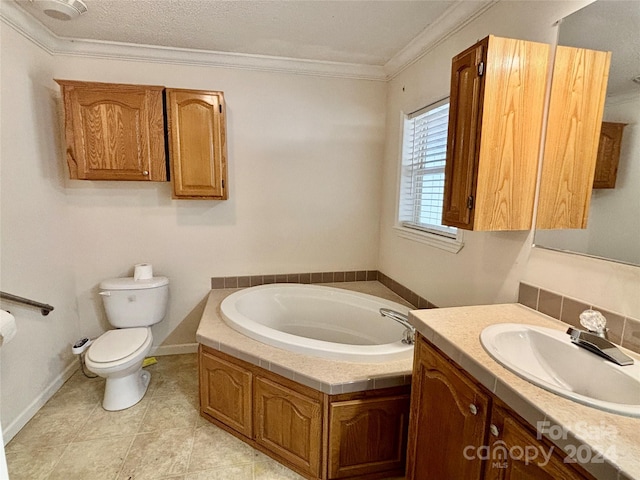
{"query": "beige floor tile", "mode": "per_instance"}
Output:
(33, 464)
(269, 469)
(239, 472)
(93, 459)
(78, 391)
(158, 454)
(102, 423)
(213, 448)
(165, 413)
(184, 381)
(51, 426)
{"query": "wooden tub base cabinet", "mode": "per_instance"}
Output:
(361, 435)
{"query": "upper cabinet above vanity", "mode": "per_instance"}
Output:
(497, 101)
(578, 92)
(123, 132)
(114, 131)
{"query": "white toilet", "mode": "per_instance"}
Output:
(132, 306)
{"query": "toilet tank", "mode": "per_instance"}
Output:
(135, 303)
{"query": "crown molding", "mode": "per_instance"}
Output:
(36, 32)
(451, 21)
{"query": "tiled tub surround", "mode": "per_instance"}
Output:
(324, 277)
(327, 376)
(333, 401)
(623, 330)
(456, 332)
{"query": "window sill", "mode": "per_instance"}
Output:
(452, 245)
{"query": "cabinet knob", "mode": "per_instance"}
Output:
(146, 172)
(473, 409)
(494, 430)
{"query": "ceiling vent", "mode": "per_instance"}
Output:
(62, 9)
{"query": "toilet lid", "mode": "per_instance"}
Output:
(117, 344)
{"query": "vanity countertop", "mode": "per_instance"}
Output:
(328, 376)
(612, 441)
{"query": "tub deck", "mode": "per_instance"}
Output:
(327, 376)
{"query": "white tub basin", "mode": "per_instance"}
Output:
(547, 358)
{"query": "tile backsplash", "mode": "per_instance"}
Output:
(623, 330)
(324, 277)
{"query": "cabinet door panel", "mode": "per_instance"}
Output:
(114, 132)
(516, 454)
(225, 393)
(289, 424)
(197, 143)
(368, 436)
(608, 155)
(465, 112)
(443, 421)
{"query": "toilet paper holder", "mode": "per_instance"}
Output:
(44, 308)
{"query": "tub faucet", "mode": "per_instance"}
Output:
(409, 335)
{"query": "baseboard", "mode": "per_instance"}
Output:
(174, 349)
(14, 427)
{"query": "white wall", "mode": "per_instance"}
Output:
(36, 234)
(304, 157)
(490, 266)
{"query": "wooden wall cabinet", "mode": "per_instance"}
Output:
(359, 435)
(119, 132)
(113, 131)
(608, 155)
(578, 91)
(452, 416)
(498, 91)
(197, 143)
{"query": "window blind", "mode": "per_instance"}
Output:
(424, 153)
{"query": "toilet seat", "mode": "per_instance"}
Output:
(118, 346)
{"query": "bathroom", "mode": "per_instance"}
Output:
(313, 161)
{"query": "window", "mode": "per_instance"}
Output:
(424, 149)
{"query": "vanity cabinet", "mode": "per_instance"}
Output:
(448, 413)
(578, 91)
(197, 143)
(538, 459)
(498, 89)
(114, 131)
(608, 155)
(343, 436)
(458, 429)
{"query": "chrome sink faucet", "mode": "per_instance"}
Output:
(594, 339)
(409, 335)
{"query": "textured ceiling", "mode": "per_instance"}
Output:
(363, 32)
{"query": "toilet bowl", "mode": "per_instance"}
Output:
(117, 355)
(132, 306)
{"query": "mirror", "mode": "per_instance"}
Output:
(613, 227)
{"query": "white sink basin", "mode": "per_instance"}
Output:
(547, 358)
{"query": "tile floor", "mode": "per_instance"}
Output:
(162, 437)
